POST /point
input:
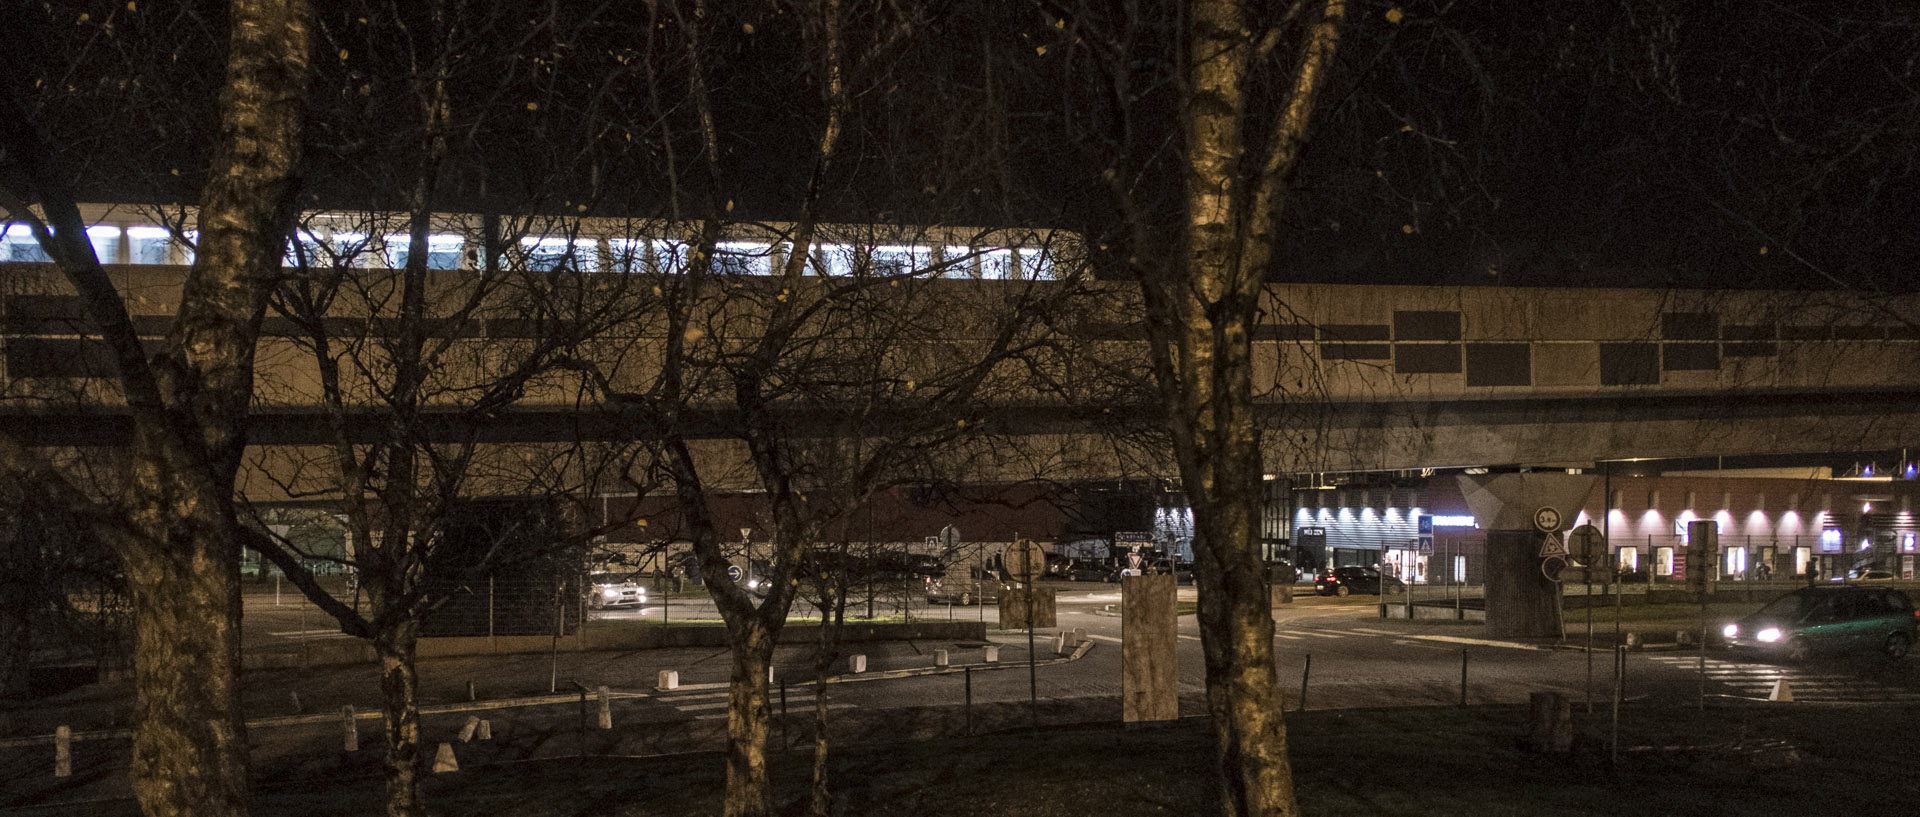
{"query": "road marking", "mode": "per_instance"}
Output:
(1103, 638)
(1287, 636)
(1190, 638)
(1376, 632)
(1480, 642)
(1317, 635)
(310, 634)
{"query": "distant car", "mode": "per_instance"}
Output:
(1281, 571)
(1081, 570)
(1815, 620)
(609, 590)
(1870, 576)
(1343, 581)
(1182, 572)
(967, 586)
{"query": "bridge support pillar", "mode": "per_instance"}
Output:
(1521, 601)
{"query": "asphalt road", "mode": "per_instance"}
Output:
(1338, 651)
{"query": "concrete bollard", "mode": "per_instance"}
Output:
(770, 681)
(940, 658)
(486, 730)
(1079, 636)
(856, 664)
(444, 761)
(1633, 641)
(1060, 643)
(1686, 638)
(606, 708)
(293, 699)
(1782, 691)
(993, 654)
(349, 730)
(63, 752)
(472, 726)
(472, 695)
(669, 679)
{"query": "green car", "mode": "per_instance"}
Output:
(1814, 620)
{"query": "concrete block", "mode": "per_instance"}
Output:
(606, 708)
(940, 658)
(63, 751)
(856, 663)
(444, 761)
(669, 679)
(1079, 636)
(993, 654)
(349, 730)
(472, 725)
(1782, 691)
(1060, 643)
(1634, 641)
(1149, 670)
(486, 730)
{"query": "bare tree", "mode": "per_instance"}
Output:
(179, 536)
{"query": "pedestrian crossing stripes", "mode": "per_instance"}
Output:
(1757, 681)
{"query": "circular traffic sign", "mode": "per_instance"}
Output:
(1587, 545)
(1546, 518)
(734, 572)
(1551, 567)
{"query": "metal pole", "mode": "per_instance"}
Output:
(1305, 673)
(1033, 673)
(1463, 677)
(968, 672)
(553, 679)
(784, 743)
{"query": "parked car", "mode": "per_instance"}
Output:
(967, 585)
(1281, 571)
(1082, 570)
(1815, 620)
(610, 590)
(1873, 575)
(1342, 581)
(1182, 572)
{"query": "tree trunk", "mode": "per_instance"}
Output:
(190, 743)
(748, 792)
(1201, 315)
(405, 760)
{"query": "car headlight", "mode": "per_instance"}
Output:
(1769, 635)
(1730, 630)
(609, 593)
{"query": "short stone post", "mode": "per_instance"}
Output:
(444, 761)
(940, 658)
(856, 663)
(606, 708)
(1060, 643)
(1079, 636)
(472, 726)
(669, 679)
(993, 654)
(293, 700)
(486, 730)
(349, 730)
(63, 751)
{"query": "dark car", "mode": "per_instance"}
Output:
(1343, 581)
(1815, 620)
(1082, 570)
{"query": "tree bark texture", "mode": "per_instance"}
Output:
(183, 559)
(1203, 313)
(749, 792)
(400, 711)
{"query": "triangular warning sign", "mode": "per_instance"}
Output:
(1553, 545)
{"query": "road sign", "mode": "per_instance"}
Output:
(1133, 536)
(1425, 543)
(734, 572)
(1552, 568)
(1024, 559)
(949, 537)
(1546, 518)
(1587, 545)
(1552, 546)
(1426, 524)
